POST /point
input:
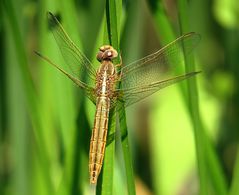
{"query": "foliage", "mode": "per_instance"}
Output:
(186, 143)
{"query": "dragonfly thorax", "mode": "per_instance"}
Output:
(105, 79)
(106, 67)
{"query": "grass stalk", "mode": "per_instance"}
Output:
(17, 122)
(114, 20)
(127, 154)
(113, 10)
(72, 120)
(194, 107)
(30, 93)
(105, 183)
(205, 153)
(235, 179)
(77, 150)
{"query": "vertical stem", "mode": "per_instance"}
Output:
(33, 108)
(105, 183)
(193, 105)
(127, 154)
(208, 164)
(113, 9)
(113, 20)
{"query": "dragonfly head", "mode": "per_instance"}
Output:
(106, 52)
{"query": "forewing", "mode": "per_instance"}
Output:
(74, 58)
(160, 65)
(89, 91)
(156, 71)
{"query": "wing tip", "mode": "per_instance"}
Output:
(194, 73)
(53, 22)
(193, 34)
(198, 71)
(37, 53)
(49, 13)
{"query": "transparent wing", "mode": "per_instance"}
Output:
(153, 72)
(89, 91)
(133, 95)
(159, 65)
(74, 58)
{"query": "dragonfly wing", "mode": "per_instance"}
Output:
(133, 95)
(160, 65)
(89, 91)
(77, 62)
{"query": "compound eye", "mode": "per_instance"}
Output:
(109, 53)
(100, 56)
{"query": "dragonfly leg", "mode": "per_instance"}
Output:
(118, 76)
(120, 64)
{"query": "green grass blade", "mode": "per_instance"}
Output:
(205, 155)
(113, 10)
(105, 182)
(194, 109)
(127, 154)
(74, 126)
(216, 175)
(235, 179)
(131, 47)
(77, 150)
(30, 94)
(17, 123)
(162, 23)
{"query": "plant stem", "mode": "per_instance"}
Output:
(205, 153)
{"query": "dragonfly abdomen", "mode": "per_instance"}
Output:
(98, 137)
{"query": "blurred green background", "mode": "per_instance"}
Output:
(45, 121)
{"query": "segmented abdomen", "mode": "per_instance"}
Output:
(98, 137)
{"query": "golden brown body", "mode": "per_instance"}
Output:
(105, 80)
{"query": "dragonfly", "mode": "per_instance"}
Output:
(138, 80)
